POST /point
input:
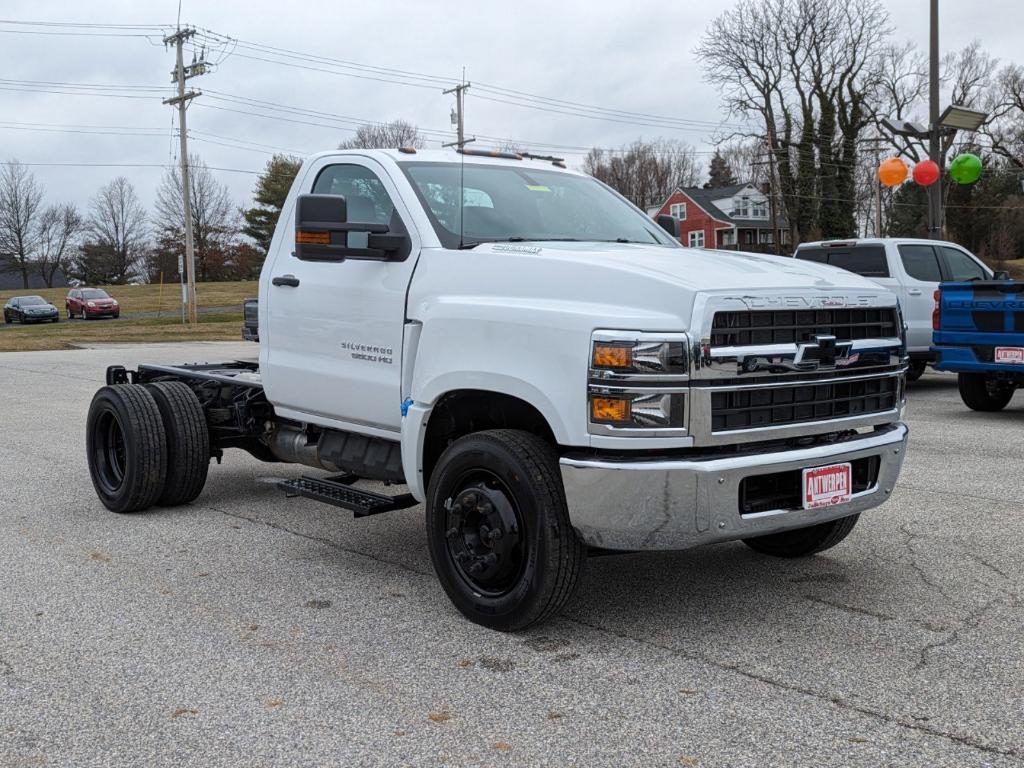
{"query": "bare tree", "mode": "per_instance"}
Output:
(59, 228)
(116, 234)
(646, 172)
(397, 133)
(215, 222)
(1005, 105)
(21, 198)
(804, 70)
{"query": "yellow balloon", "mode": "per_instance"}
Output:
(892, 171)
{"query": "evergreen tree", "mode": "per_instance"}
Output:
(719, 173)
(271, 191)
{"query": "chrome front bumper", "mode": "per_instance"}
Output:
(682, 503)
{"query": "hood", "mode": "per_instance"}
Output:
(41, 308)
(625, 285)
(698, 269)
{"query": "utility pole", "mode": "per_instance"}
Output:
(459, 117)
(934, 138)
(772, 208)
(180, 74)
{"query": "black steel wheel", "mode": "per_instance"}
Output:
(126, 447)
(499, 532)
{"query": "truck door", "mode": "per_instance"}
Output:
(334, 337)
(923, 274)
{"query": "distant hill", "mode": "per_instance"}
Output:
(10, 276)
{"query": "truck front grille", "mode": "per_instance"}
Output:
(744, 328)
(759, 407)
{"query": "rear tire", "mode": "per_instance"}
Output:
(126, 447)
(916, 369)
(499, 532)
(804, 541)
(188, 442)
(983, 394)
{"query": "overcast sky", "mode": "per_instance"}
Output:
(631, 56)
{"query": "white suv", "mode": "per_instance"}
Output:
(912, 269)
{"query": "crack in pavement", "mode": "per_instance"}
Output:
(1003, 500)
(680, 653)
(810, 692)
(848, 608)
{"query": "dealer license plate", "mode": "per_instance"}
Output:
(827, 486)
(1009, 355)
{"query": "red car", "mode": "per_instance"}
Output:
(91, 302)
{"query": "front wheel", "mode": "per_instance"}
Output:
(983, 393)
(499, 532)
(916, 369)
(804, 541)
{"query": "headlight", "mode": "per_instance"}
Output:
(91, 303)
(639, 357)
(638, 384)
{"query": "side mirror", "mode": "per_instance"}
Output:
(323, 232)
(1001, 274)
(669, 223)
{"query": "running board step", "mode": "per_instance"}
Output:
(338, 491)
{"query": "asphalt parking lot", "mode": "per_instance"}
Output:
(252, 630)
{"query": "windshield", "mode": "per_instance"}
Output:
(95, 293)
(509, 203)
(32, 301)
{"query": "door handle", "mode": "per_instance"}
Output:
(290, 280)
(913, 291)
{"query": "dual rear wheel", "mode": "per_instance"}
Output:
(147, 444)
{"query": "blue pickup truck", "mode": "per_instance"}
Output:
(979, 334)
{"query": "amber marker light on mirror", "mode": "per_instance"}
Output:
(313, 238)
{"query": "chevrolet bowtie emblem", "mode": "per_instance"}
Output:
(823, 349)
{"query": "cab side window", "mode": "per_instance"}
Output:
(960, 266)
(921, 263)
(366, 198)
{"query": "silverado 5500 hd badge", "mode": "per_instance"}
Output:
(370, 353)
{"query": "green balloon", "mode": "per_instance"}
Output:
(965, 168)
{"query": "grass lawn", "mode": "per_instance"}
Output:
(222, 326)
(149, 298)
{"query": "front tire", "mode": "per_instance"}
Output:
(127, 448)
(188, 442)
(804, 541)
(916, 369)
(980, 393)
(499, 532)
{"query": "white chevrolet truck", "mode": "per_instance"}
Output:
(542, 366)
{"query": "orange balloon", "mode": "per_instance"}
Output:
(892, 172)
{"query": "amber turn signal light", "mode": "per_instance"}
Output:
(610, 410)
(612, 355)
(313, 238)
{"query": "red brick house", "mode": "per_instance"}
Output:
(731, 218)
